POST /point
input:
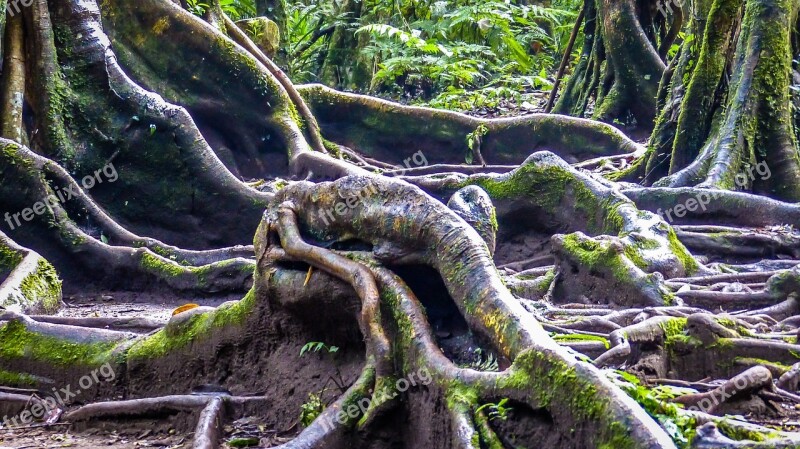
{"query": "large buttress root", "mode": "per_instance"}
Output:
(728, 104)
(440, 239)
(112, 250)
(384, 130)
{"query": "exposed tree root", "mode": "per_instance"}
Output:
(393, 129)
(28, 283)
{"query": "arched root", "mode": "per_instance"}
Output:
(441, 135)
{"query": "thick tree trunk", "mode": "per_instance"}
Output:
(724, 104)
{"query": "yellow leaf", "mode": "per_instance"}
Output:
(184, 308)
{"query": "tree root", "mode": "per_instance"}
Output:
(147, 257)
(28, 283)
(441, 135)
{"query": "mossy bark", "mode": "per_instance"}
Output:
(619, 66)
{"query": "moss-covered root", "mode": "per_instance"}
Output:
(690, 90)
(542, 378)
(714, 432)
(41, 355)
(391, 214)
(386, 212)
(121, 254)
(385, 130)
(546, 186)
(28, 283)
(599, 271)
(96, 119)
(720, 207)
(153, 29)
(654, 330)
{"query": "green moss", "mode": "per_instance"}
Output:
(777, 366)
(43, 287)
(673, 327)
(197, 328)
(676, 247)
(597, 255)
(682, 340)
(154, 264)
(545, 185)
(679, 425)
(459, 396)
(295, 115)
(11, 156)
(17, 380)
(168, 269)
(554, 383)
(580, 337)
(9, 258)
(740, 433)
(16, 342)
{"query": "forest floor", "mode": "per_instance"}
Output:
(513, 254)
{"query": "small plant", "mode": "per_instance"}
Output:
(496, 410)
(197, 7)
(489, 363)
(317, 346)
(474, 141)
(311, 409)
(257, 29)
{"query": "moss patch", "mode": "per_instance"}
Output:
(16, 342)
(197, 328)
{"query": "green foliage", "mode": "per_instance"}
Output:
(483, 363)
(680, 426)
(317, 346)
(306, 23)
(454, 54)
(474, 140)
(235, 9)
(197, 7)
(497, 410)
(451, 46)
(239, 9)
(311, 409)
